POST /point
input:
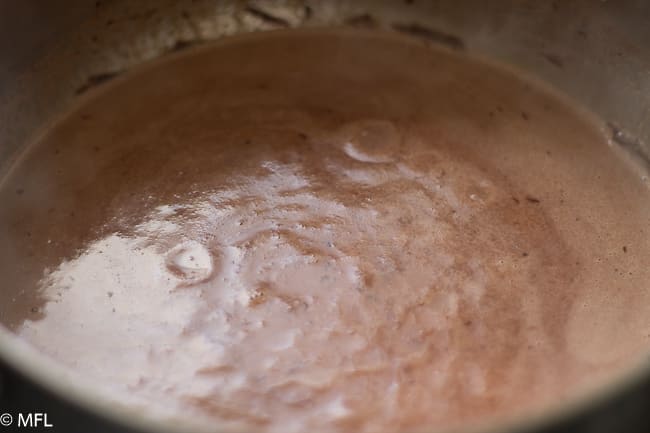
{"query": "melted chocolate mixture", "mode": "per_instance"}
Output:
(328, 231)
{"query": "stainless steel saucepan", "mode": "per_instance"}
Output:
(595, 51)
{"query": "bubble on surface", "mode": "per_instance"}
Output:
(191, 262)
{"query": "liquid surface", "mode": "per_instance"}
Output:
(328, 231)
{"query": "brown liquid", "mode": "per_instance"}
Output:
(328, 231)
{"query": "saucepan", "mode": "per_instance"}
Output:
(595, 51)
